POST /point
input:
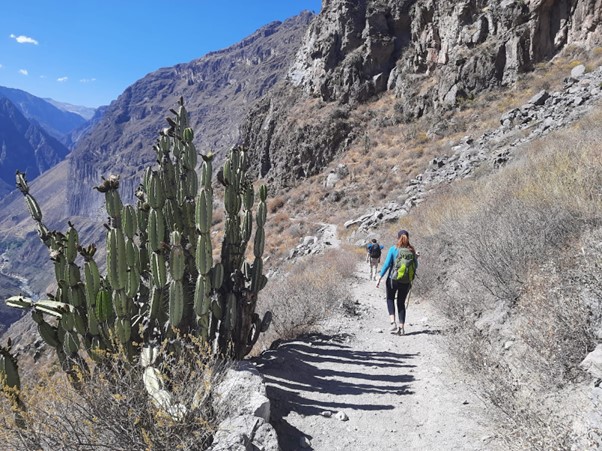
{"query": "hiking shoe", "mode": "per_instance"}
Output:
(394, 329)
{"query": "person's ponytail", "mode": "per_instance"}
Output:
(404, 241)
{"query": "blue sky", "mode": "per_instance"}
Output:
(86, 52)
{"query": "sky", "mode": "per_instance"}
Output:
(86, 52)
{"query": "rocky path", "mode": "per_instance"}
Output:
(357, 387)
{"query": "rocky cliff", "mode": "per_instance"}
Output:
(218, 90)
(430, 56)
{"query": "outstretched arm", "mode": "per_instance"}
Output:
(387, 265)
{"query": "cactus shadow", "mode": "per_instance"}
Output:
(321, 373)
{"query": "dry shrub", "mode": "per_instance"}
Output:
(276, 204)
(504, 257)
(512, 219)
(311, 292)
(112, 409)
(555, 323)
(280, 221)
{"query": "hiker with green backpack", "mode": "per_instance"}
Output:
(400, 267)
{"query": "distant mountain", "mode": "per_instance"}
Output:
(56, 121)
(86, 112)
(85, 128)
(24, 146)
(218, 90)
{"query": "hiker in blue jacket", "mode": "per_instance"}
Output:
(398, 285)
(373, 257)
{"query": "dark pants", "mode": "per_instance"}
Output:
(397, 291)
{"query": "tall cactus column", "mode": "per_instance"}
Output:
(208, 311)
(249, 323)
(242, 281)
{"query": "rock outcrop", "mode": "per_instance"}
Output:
(430, 55)
(244, 408)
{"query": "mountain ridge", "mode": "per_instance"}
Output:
(25, 146)
(86, 112)
(218, 89)
(55, 121)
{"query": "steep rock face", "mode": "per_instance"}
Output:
(218, 89)
(429, 54)
(350, 49)
(24, 145)
(357, 49)
(291, 144)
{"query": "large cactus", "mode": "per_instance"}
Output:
(161, 281)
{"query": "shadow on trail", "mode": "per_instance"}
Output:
(425, 332)
(321, 373)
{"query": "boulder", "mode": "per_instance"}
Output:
(539, 98)
(577, 71)
(593, 363)
(244, 408)
(242, 392)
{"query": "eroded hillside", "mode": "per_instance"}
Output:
(218, 89)
(473, 125)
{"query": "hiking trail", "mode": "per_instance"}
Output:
(355, 386)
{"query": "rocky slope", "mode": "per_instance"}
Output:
(542, 114)
(429, 55)
(24, 146)
(218, 90)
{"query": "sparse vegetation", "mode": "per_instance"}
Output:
(116, 412)
(510, 260)
(311, 292)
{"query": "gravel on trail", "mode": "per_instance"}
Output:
(355, 386)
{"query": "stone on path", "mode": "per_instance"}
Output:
(341, 416)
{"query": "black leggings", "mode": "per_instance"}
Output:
(402, 290)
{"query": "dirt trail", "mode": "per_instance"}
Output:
(399, 392)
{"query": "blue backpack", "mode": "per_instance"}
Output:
(374, 250)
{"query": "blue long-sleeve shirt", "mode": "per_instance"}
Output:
(390, 262)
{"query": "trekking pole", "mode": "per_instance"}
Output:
(408, 297)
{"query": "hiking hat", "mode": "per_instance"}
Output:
(403, 232)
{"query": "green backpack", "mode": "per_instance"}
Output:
(405, 266)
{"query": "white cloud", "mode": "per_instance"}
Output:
(1, 66)
(87, 80)
(23, 72)
(24, 39)
(62, 79)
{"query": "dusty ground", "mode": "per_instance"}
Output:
(398, 392)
